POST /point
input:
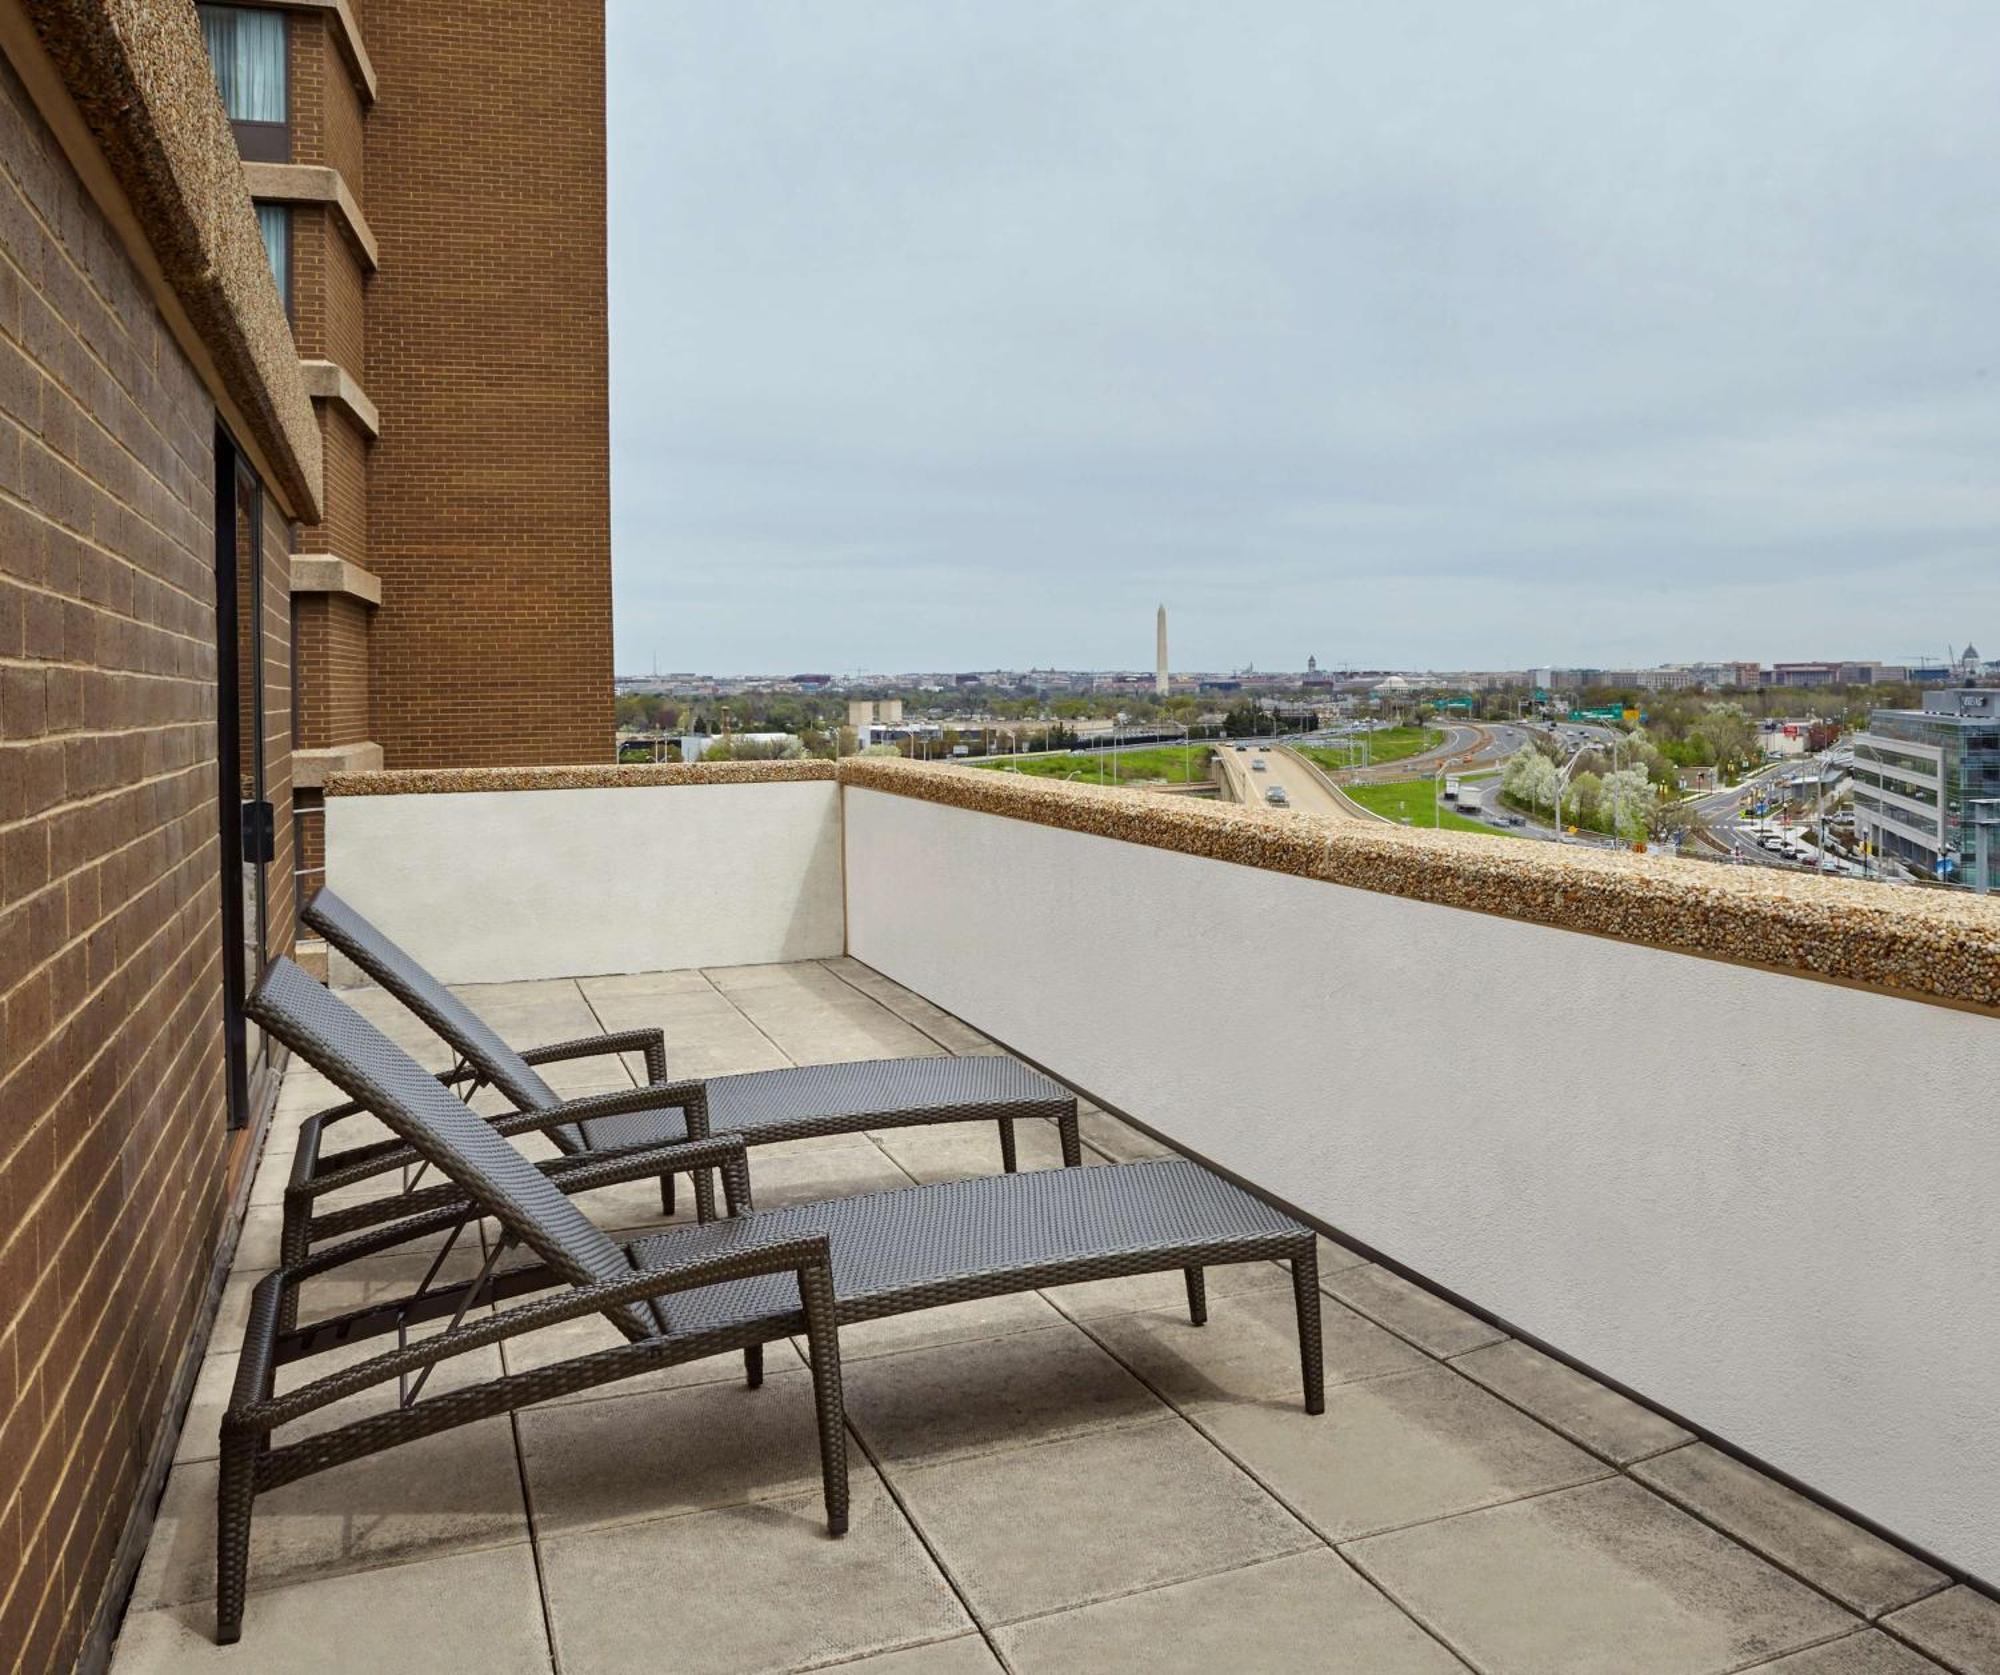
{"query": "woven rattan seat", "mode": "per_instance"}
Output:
(763, 1106)
(689, 1292)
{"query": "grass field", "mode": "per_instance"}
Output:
(1415, 800)
(1392, 744)
(1168, 762)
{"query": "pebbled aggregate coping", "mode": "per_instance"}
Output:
(1919, 944)
(1922, 944)
(587, 776)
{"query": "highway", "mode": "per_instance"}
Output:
(1307, 795)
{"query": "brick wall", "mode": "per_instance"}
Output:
(333, 640)
(112, 1104)
(489, 499)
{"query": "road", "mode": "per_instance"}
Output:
(1306, 794)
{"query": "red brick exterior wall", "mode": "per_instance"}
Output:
(333, 642)
(489, 496)
(112, 1100)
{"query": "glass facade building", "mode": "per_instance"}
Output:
(1927, 786)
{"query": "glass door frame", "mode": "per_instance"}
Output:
(246, 831)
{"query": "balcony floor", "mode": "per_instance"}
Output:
(1070, 1480)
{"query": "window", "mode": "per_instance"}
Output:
(247, 49)
(274, 221)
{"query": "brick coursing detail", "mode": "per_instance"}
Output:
(112, 1099)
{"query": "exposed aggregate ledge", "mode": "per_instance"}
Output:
(1913, 942)
(400, 782)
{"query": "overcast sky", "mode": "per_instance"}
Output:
(960, 333)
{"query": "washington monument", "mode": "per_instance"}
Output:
(1161, 685)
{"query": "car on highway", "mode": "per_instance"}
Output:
(1276, 797)
(1258, 767)
(1517, 820)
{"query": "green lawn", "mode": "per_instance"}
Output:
(1416, 801)
(1392, 744)
(1168, 762)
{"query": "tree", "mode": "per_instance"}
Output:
(1628, 799)
(1530, 778)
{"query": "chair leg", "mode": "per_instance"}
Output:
(1008, 1160)
(704, 1195)
(235, 1490)
(1197, 1287)
(1305, 1292)
(1072, 1139)
(753, 1365)
(667, 1193)
(823, 1343)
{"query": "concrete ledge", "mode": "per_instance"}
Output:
(329, 573)
(584, 777)
(1919, 944)
(345, 31)
(330, 381)
(312, 770)
(313, 183)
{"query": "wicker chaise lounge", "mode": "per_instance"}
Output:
(690, 1292)
(763, 1106)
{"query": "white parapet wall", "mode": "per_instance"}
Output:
(1764, 1202)
(493, 885)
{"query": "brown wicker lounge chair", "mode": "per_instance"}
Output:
(763, 1106)
(689, 1292)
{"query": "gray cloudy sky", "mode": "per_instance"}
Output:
(958, 333)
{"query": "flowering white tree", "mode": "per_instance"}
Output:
(1530, 778)
(1628, 797)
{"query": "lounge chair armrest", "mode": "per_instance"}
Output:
(651, 1042)
(689, 1096)
(799, 1254)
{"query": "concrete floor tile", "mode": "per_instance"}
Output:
(835, 1167)
(962, 1151)
(745, 1590)
(1308, 1613)
(1336, 1258)
(532, 1014)
(967, 1655)
(811, 1030)
(1395, 1451)
(1867, 1653)
(574, 1338)
(1959, 1628)
(1863, 1572)
(1119, 1141)
(984, 1317)
(467, 1611)
(639, 989)
(201, 1437)
(1428, 1321)
(990, 1393)
(1067, 1523)
(1249, 1350)
(801, 977)
(1164, 1293)
(457, 1491)
(952, 1034)
(1576, 1583)
(626, 1458)
(1610, 1425)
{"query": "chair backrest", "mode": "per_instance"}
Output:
(456, 1024)
(366, 1065)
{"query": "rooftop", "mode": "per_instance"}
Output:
(1075, 1479)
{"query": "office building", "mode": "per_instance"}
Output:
(1927, 786)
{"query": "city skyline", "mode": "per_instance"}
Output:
(1437, 334)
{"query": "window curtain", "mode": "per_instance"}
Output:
(247, 49)
(274, 221)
